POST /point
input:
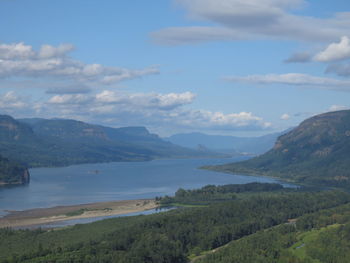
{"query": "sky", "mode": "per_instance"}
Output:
(233, 67)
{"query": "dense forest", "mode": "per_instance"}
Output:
(317, 152)
(212, 193)
(175, 236)
(320, 237)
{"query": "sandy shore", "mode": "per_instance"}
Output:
(61, 213)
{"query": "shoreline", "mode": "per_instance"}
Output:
(40, 216)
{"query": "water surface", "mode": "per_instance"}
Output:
(87, 183)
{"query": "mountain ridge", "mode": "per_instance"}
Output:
(58, 142)
(316, 152)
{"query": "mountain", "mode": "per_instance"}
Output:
(56, 142)
(226, 144)
(12, 172)
(316, 152)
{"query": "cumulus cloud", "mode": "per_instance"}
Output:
(16, 51)
(47, 51)
(116, 108)
(20, 60)
(295, 79)
(11, 103)
(208, 119)
(335, 51)
(143, 100)
(285, 117)
(70, 99)
(253, 19)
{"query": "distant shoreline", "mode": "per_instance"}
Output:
(39, 216)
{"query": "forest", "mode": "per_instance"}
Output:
(323, 236)
(178, 235)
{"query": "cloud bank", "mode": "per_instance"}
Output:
(294, 79)
(254, 19)
(18, 60)
(117, 109)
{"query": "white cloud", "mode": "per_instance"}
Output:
(285, 117)
(123, 74)
(146, 100)
(207, 119)
(252, 19)
(47, 51)
(16, 51)
(11, 103)
(153, 110)
(20, 60)
(295, 79)
(337, 108)
(69, 99)
(335, 51)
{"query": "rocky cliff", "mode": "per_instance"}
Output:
(12, 173)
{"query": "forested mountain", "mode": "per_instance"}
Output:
(320, 237)
(56, 142)
(226, 144)
(12, 172)
(316, 152)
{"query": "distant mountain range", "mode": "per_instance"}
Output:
(316, 152)
(226, 144)
(57, 142)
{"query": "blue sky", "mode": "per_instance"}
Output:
(216, 66)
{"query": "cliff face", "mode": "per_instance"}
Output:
(317, 151)
(58, 142)
(12, 173)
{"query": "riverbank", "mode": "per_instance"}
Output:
(40, 216)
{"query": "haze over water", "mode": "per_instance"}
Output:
(89, 183)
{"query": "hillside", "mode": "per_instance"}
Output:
(316, 152)
(225, 143)
(179, 235)
(58, 142)
(12, 173)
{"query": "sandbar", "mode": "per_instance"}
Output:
(40, 216)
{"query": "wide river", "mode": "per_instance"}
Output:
(87, 183)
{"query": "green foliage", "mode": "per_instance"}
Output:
(211, 193)
(166, 237)
(321, 237)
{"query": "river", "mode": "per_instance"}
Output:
(88, 183)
